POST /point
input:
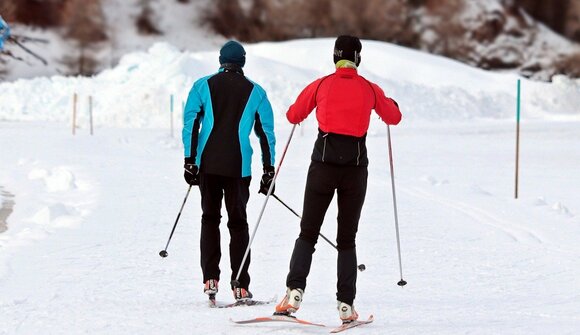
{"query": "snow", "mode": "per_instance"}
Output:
(144, 81)
(91, 213)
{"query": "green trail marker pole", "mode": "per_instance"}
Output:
(518, 138)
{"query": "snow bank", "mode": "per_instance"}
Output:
(137, 92)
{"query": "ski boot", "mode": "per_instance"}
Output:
(211, 288)
(291, 302)
(346, 312)
(242, 294)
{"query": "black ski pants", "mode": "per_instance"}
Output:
(236, 193)
(350, 185)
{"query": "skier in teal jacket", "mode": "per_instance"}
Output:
(226, 106)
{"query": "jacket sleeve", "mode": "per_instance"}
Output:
(304, 104)
(386, 108)
(264, 129)
(191, 120)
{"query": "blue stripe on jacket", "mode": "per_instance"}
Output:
(258, 106)
(198, 101)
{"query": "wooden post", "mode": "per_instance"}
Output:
(74, 116)
(171, 113)
(91, 113)
(517, 138)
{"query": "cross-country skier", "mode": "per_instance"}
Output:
(4, 32)
(6, 36)
(343, 102)
(226, 106)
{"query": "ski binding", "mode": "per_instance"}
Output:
(213, 303)
(352, 324)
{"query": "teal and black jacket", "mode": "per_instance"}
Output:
(219, 115)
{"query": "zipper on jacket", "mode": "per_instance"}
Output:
(358, 156)
(324, 147)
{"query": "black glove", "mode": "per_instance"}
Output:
(266, 180)
(191, 174)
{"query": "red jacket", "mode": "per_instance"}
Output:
(343, 102)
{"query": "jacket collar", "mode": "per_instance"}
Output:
(346, 70)
(230, 67)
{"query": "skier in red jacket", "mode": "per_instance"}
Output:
(343, 102)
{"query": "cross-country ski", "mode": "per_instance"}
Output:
(276, 318)
(352, 324)
(213, 303)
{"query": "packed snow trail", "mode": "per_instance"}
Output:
(90, 263)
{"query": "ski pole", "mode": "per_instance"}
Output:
(163, 253)
(401, 282)
(35, 55)
(361, 267)
(235, 282)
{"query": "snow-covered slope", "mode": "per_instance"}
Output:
(91, 212)
(137, 92)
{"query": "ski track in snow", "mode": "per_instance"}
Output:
(516, 232)
(103, 275)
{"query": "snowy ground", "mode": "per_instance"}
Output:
(91, 213)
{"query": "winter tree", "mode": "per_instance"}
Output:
(85, 25)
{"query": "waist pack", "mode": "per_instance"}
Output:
(340, 149)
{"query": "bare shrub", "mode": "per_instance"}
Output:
(284, 19)
(3, 69)
(38, 13)
(569, 65)
(85, 25)
(145, 20)
(227, 18)
(7, 9)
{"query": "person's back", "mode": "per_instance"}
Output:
(219, 115)
(343, 102)
(228, 105)
(233, 98)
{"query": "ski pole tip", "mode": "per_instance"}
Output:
(163, 253)
(235, 283)
(362, 267)
(402, 283)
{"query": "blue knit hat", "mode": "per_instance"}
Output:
(233, 53)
